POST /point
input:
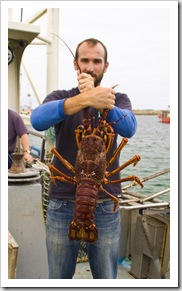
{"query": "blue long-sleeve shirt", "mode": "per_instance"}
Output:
(47, 115)
(51, 113)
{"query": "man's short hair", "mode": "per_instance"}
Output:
(91, 42)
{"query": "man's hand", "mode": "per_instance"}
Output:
(97, 97)
(101, 98)
(85, 82)
(28, 158)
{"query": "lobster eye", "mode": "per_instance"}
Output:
(81, 127)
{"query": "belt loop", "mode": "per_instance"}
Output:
(64, 202)
(103, 200)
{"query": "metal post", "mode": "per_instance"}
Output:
(52, 50)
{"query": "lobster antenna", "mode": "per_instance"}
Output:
(114, 86)
(68, 48)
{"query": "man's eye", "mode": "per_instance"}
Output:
(84, 60)
(97, 61)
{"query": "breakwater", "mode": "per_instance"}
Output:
(146, 112)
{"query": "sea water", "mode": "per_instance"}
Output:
(152, 143)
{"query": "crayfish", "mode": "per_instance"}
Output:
(90, 174)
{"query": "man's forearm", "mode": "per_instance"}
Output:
(25, 142)
(75, 104)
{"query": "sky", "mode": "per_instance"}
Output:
(138, 41)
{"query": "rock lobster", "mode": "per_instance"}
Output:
(90, 173)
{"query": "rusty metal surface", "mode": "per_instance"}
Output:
(18, 165)
(19, 173)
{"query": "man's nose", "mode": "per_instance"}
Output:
(90, 67)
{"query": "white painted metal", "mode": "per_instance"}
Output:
(37, 15)
(26, 224)
(19, 36)
(52, 50)
(27, 31)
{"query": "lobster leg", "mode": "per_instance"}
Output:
(86, 120)
(110, 138)
(65, 162)
(115, 199)
(129, 178)
(63, 177)
(78, 134)
(117, 151)
(133, 161)
(86, 128)
(105, 131)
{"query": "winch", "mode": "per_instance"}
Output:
(19, 173)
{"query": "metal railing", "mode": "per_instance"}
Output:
(131, 200)
(40, 152)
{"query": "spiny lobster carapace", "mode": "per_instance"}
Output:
(90, 173)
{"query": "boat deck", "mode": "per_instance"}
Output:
(83, 272)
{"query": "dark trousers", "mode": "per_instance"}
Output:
(10, 161)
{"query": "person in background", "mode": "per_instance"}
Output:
(17, 128)
(63, 109)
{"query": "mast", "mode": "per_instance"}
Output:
(52, 49)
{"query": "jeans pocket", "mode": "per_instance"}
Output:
(108, 207)
(55, 204)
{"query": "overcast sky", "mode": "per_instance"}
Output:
(138, 41)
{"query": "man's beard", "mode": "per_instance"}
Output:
(97, 80)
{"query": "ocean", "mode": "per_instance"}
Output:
(152, 143)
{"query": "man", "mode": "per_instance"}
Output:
(17, 128)
(64, 110)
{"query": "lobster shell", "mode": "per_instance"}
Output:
(90, 169)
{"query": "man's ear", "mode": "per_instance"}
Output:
(106, 66)
(75, 65)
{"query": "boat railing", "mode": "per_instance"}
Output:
(131, 200)
(36, 152)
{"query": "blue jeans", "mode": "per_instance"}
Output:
(62, 253)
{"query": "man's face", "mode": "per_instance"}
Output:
(91, 60)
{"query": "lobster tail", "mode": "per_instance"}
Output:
(86, 233)
(82, 227)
